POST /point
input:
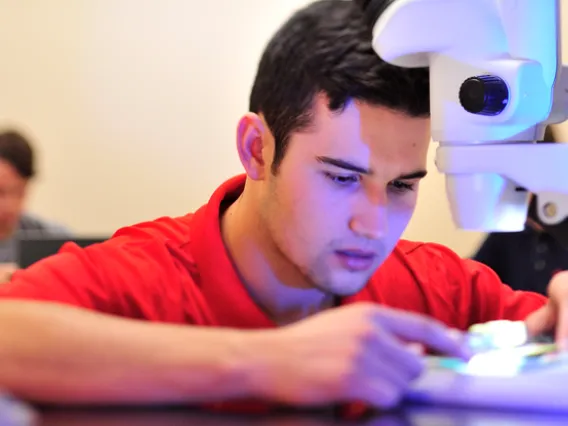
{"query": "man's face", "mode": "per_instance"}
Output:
(12, 196)
(344, 193)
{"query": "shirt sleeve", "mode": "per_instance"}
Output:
(36, 227)
(474, 291)
(131, 278)
(489, 299)
(56, 230)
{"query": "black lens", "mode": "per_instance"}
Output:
(472, 95)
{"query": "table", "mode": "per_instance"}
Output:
(406, 416)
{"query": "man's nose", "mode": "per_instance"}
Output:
(370, 220)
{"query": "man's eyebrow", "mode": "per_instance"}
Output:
(418, 174)
(342, 164)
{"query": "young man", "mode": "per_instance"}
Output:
(17, 169)
(290, 284)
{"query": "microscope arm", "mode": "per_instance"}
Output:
(541, 169)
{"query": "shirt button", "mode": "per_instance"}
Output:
(541, 248)
(539, 265)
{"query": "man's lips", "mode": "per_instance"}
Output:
(356, 260)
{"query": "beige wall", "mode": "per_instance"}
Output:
(133, 104)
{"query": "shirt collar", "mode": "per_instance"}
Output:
(220, 283)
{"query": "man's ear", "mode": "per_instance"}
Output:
(251, 140)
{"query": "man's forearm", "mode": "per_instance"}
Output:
(55, 353)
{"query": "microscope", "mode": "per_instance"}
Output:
(496, 82)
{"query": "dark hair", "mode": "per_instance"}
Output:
(326, 48)
(549, 135)
(16, 150)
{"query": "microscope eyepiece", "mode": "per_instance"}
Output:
(484, 95)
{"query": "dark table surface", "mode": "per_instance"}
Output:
(406, 416)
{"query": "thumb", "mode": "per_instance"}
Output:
(541, 321)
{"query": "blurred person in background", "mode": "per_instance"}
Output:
(525, 260)
(17, 170)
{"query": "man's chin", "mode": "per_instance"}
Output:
(347, 286)
(347, 282)
(344, 282)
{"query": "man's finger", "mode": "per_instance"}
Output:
(541, 321)
(562, 325)
(558, 302)
(419, 329)
(390, 350)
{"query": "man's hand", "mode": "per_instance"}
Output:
(6, 271)
(360, 352)
(554, 315)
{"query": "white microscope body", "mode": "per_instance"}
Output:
(496, 82)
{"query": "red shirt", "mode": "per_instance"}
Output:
(177, 270)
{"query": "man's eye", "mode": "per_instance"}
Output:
(343, 180)
(401, 187)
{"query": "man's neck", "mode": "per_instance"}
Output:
(273, 282)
